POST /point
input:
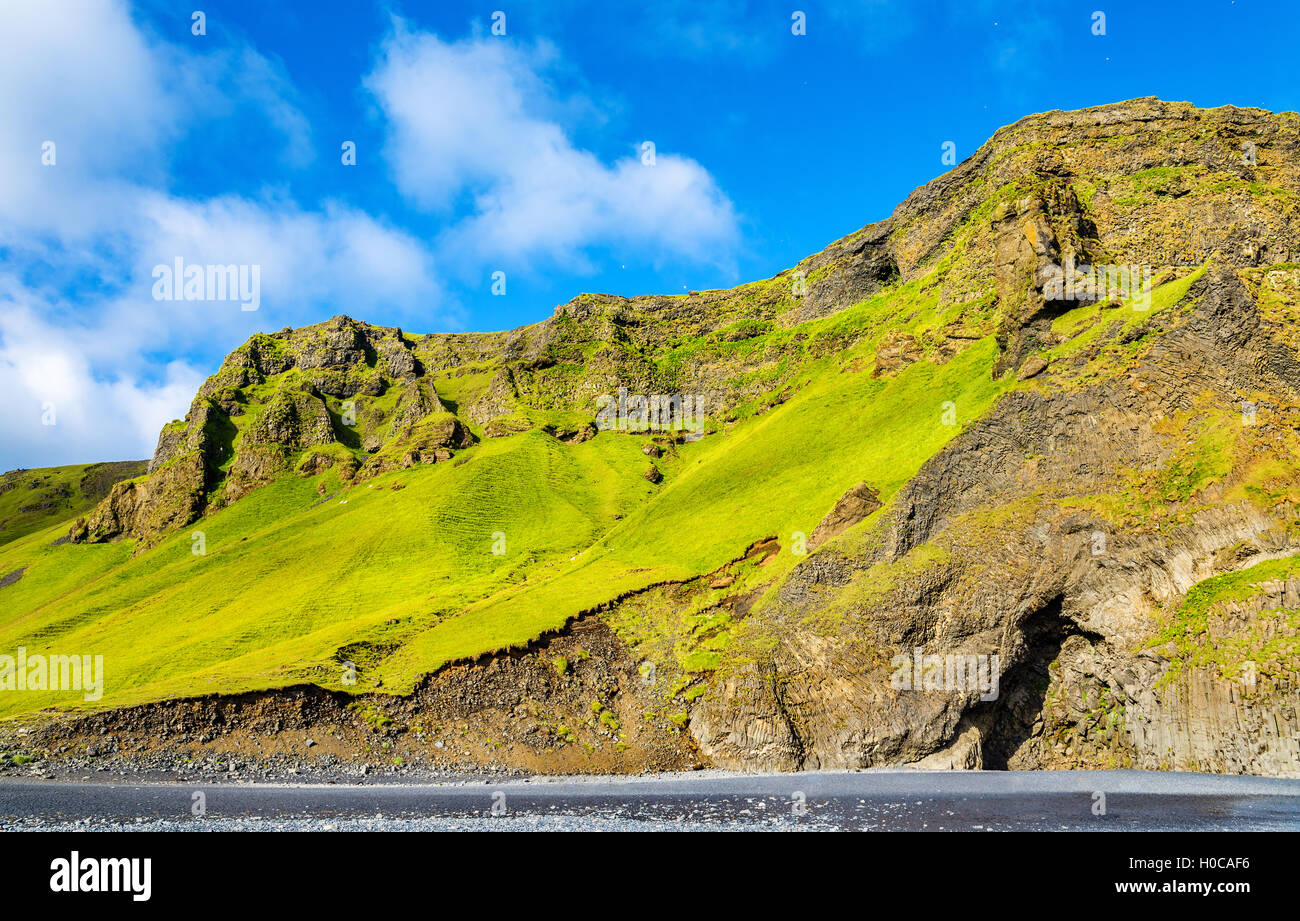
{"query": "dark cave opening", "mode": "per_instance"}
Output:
(1008, 722)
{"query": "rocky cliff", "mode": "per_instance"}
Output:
(1064, 529)
(1117, 528)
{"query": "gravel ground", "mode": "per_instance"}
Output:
(815, 801)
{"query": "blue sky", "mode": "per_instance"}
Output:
(478, 153)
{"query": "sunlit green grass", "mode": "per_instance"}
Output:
(1128, 316)
(1271, 646)
(406, 561)
(41, 497)
(286, 581)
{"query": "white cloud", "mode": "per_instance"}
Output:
(83, 78)
(478, 137)
(59, 409)
(81, 75)
(337, 255)
(79, 328)
(466, 128)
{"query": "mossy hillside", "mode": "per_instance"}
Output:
(580, 526)
(773, 475)
(717, 348)
(1100, 344)
(31, 500)
(865, 377)
(880, 598)
(1214, 459)
(678, 632)
(1197, 633)
(1276, 289)
(421, 555)
(1149, 186)
(411, 547)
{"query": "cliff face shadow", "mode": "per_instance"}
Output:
(1009, 720)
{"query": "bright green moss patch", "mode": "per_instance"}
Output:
(1091, 325)
(32, 500)
(1268, 645)
(447, 561)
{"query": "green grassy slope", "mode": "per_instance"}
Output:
(400, 570)
(1197, 632)
(398, 573)
(773, 476)
(31, 500)
(288, 577)
(462, 549)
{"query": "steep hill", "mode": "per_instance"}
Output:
(36, 498)
(942, 435)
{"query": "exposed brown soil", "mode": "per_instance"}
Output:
(572, 703)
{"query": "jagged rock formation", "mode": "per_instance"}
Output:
(1084, 674)
(279, 401)
(1142, 447)
(34, 499)
(854, 506)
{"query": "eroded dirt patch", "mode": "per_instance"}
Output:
(571, 703)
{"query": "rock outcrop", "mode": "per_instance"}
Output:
(1029, 566)
(276, 402)
(1038, 594)
(854, 506)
